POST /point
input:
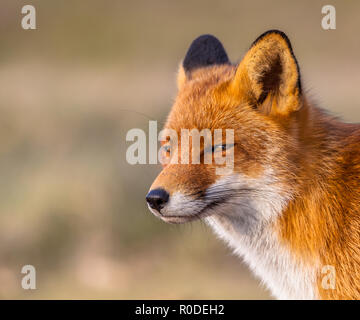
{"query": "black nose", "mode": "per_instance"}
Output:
(157, 198)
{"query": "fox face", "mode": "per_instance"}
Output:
(253, 100)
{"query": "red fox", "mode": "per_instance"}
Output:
(291, 205)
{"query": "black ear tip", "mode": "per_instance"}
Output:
(273, 31)
(204, 51)
(206, 39)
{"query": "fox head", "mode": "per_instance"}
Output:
(259, 99)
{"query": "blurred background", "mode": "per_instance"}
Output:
(70, 205)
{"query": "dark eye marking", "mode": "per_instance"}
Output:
(166, 148)
(218, 147)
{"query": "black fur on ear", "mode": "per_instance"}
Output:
(204, 51)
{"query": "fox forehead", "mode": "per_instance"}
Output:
(203, 101)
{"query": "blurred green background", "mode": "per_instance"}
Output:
(69, 91)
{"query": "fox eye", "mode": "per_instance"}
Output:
(222, 147)
(219, 147)
(166, 149)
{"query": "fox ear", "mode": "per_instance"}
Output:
(269, 75)
(204, 51)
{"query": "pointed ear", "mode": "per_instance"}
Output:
(269, 75)
(204, 51)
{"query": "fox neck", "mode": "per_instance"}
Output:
(321, 225)
(272, 262)
(289, 251)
